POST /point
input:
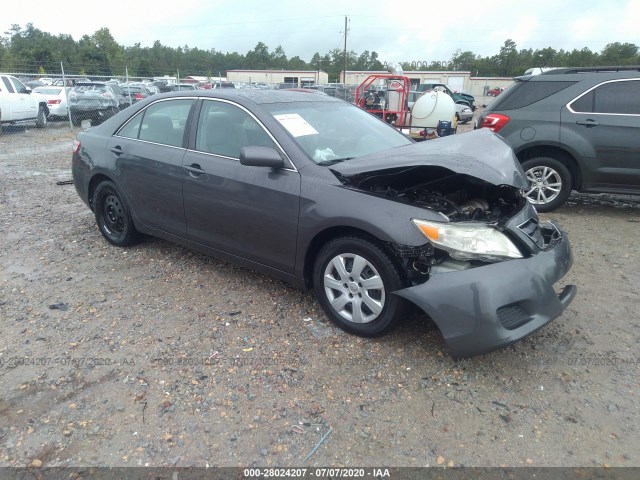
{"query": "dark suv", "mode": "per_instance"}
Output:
(95, 101)
(572, 129)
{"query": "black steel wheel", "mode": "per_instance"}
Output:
(353, 280)
(113, 216)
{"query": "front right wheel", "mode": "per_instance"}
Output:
(353, 280)
(549, 182)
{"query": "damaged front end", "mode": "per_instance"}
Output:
(486, 271)
(471, 217)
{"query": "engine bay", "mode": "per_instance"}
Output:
(459, 197)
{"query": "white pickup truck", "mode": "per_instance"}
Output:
(19, 105)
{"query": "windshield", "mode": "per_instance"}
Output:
(332, 132)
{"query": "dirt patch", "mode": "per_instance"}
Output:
(156, 355)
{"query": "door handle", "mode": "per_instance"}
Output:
(194, 169)
(117, 150)
(588, 123)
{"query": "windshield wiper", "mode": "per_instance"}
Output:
(333, 161)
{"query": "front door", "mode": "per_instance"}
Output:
(250, 212)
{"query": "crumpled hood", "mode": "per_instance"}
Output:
(481, 154)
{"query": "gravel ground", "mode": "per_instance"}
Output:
(156, 355)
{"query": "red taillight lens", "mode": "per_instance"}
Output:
(53, 102)
(495, 122)
(76, 146)
(139, 96)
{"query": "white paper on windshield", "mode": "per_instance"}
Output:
(296, 125)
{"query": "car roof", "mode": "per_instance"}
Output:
(578, 74)
(254, 95)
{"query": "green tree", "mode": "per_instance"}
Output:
(620, 54)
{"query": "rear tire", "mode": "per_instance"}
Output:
(76, 120)
(41, 119)
(550, 183)
(353, 280)
(113, 216)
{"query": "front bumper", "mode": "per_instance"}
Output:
(485, 308)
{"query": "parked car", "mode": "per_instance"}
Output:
(494, 92)
(464, 114)
(56, 100)
(123, 99)
(458, 97)
(136, 92)
(572, 129)
(19, 105)
(33, 84)
(162, 87)
(180, 87)
(223, 85)
(46, 80)
(95, 101)
(316, 191)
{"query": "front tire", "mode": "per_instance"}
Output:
(76, 120)
(353, 280)
(549, 183)
(41, 119)
(113, 216)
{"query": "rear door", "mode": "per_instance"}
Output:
(148, 151)
(606, 119)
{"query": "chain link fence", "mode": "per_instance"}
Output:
(84, 101)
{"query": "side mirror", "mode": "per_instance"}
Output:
(261, 157)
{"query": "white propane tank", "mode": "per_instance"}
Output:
(429, 109)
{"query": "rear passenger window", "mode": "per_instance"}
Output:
(132, 128)
(621, 97)
(164, 122)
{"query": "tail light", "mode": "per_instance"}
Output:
(495, 122)
(139, 96)
(76, 146)
(53, 102)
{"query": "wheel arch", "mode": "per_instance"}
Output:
(96, 180)
(328, 234)
(559, 154)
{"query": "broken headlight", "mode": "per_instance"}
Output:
(469, 241)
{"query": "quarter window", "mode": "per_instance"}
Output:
(223, 129)
(621, 97)
(528, 92)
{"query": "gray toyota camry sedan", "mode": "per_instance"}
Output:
(315, 191)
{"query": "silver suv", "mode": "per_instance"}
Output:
(572, 129)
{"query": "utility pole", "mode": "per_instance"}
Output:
(344, 54)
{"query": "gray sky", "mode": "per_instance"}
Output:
(397, 31)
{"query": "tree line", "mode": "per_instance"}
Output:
(29, 50)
